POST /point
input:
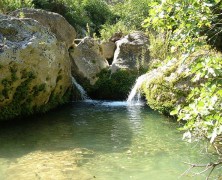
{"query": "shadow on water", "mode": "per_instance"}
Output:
(78, 125)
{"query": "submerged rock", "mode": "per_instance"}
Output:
(55, 22)
(87, 60)
(35, 68)
(132, 52)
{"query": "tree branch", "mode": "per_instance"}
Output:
(207, 166)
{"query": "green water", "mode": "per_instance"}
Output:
(99, 140)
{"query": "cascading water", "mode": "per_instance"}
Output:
(135, 96)
(82, 92)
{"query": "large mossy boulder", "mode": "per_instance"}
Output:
(35, 68)
(132, 52)
(87, 60)
(167, 86)
(55, 22)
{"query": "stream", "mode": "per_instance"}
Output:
(96, 140)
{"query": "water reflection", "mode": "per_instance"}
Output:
(134, 116)
(97, 127)
(103, 123)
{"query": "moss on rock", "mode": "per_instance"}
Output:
(23, 100)
(167, 86)
(111, 86)
(35, 72)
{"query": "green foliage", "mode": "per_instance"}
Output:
(79, 13)
(203, 114)
(125, 16)
(99, 13)
(70, 9)
(108, 30)
(189, 23)
(186, 20)
(132, 12)
(11, 5)
(160, 48)
(114, 86)
(129, 17)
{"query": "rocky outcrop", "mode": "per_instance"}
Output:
(35, 68)
(107, 50)
(55, 22)
(132, 52)
(87, 60)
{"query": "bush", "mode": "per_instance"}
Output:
(192, 25)
(132, 12)
(203, 112)
(11, 5)
(128, 16)
(115, 86)
(98, 12)
(109, 30)
(80, 13)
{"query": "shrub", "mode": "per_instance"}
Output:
(114, 86)
(109, 30)
(128, 17)
(132, 12)
(79, 13)
(11, 5)
(98, 12)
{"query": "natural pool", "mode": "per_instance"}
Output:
(95, 140)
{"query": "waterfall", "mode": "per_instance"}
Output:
(80, 89)
(135, 96)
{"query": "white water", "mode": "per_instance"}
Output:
(82, 92)
(134, 97)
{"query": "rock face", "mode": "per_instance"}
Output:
(35, 68)
(55, 22)
(87, 60)
(107, 50)
(132, 52)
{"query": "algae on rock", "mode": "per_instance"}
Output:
(35, 68)
(167, 86)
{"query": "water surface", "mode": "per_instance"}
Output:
(95, 140)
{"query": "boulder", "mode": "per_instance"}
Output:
(107, 50)
(87, 60)
(55, 22)
(35, 68)
(132, 52)
(168, 85)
